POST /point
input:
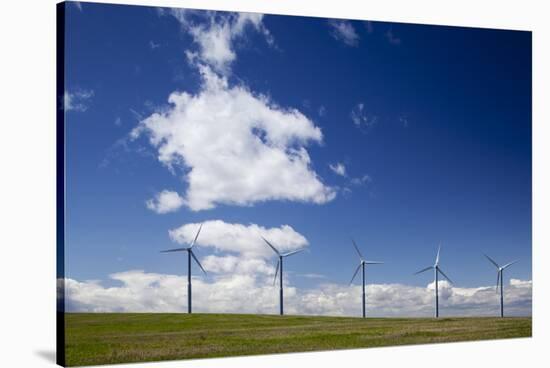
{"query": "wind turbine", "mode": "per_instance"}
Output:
(362, 265)
(280, 265)
(190, 254)
(499, 279)
(437, 271)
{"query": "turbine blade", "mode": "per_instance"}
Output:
(271, 246)
(357, 249)
(437, 256)
(293, 252)
(355, 274)
(276, 272)
(424, 270)
(196, 260)
(498, 281)
(509, 264)
(196, 236)
(174, 250)
(441, 272)
(373, 262)
(491, 260)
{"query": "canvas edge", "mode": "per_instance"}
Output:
(60, 183)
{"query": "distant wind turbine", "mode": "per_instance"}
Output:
(499, 279)
(362, 265)
(280, 265)
(189, 255)
(437, 271)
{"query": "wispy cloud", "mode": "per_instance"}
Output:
(369, 26)
(338, 168)
(77, 4)
(361, 118)
(365, 179)
(393, 39)
(136, 114)
(77, 100)
(216, 32)
(343, 30)
(349, 181)
(153, 45)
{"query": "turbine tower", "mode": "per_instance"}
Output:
(437, 271)
(362, 265)
(499, 279)
(190, 254)
(280, 265)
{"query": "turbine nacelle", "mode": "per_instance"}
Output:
(435, 267)
(370, 262)
(281, 256)
(499, 268)
(363, 261)
(188, 249)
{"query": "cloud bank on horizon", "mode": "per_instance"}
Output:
(245, 286)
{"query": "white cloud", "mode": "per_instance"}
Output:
(344, 31)
(216, 32)
(361, 119)
(235, 147)
(338, 168)
(237, 265)
(254, 292)
(77, 100)
(165, 201)
(520, 283)
(240, 239)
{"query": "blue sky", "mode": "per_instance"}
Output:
(432, 125)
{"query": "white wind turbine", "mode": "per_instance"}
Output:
(190, 254)
(362, 265)
(280, 265)
(499, 279)
(437, 271)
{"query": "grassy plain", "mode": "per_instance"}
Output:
(108, 338)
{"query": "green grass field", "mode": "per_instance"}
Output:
(98, 338)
